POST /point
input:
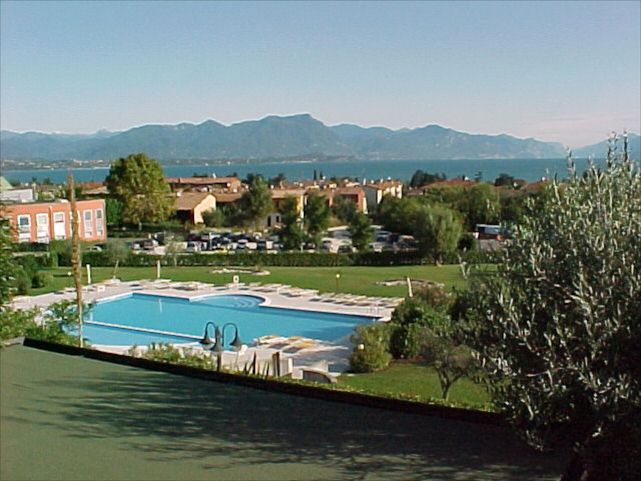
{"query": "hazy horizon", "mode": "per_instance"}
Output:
(547, 70)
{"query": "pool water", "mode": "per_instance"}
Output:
(186, 320)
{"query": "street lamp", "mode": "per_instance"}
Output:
(218, 344)
(338, 276)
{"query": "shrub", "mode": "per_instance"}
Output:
(169, 354)
(22, 281)
(371, 344)
(409, 320)
(41, 279)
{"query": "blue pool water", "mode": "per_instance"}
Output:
(188, 319)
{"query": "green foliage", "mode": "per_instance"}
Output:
(317, 215)
(172, 355)
(421, 178)
(558, 328)
(7, 268)
(410, 319)
(344, 210)
(480, 204)
(214, 218)
(371, 344)
(437, 230)
(256, 202)
(22, 281)
(55, 326)
(113, 211)
(291, 233)
(41, 279)
(361, 231)
(451, 361)
(138, 183)
(397, 215)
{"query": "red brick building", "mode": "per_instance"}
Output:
(46, 221)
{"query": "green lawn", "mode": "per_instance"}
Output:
(415, 381)
(353, 280)
(70, 418)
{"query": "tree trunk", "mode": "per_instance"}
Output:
(76, 261)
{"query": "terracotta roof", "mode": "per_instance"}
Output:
(201, 180)
(227, 197)
(282, 193)
(190, 200)
(451, 183)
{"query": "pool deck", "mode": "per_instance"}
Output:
(331, 357)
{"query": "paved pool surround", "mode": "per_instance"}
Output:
(331, 356)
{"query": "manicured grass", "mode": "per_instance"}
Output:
(416, 381)
(71, 418)
(353, 280)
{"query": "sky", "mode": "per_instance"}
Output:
(557, 71)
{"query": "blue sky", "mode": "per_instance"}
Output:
(566, 71)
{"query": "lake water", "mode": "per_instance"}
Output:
(528, 169)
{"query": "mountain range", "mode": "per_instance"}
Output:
(274, 137)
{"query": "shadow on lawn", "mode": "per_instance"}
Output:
(163, 415)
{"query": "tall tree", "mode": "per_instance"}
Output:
(256, 202)
(361, 231)
(437, 230)
(139, 184)
(76, 261)
(317, 214)
(291, 232)
(558, 328)
(480, 204)
(7, 265)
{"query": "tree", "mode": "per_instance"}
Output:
(291, 233)
(421, 178)
(360, 229)
(113, 211)
(116, 252)
(504, 179)
(396, 215)
(139, 184)
(558, 327)
(214, 218)
(76, 260)
(480, 204)
(410, 320)
(317, 214)
(370, 348)
(437, 230)
(256, 202)
(343, 209)
(7, 266)
(451, 361)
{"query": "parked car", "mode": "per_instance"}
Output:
(193, 246)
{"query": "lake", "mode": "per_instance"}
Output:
(528, 169)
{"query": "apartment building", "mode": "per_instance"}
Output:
(46, 221)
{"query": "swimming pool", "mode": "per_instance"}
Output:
(186, 320)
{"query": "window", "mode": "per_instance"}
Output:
(87, 222)
(100, 226)
(42, 227)
(24, 228)
(59, 230)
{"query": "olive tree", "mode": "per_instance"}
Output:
(558, 328)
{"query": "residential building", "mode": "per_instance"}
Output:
(278, 196)
(9, 193)
(189, 206)
(356, 195)
(46, 221)
(375, 191)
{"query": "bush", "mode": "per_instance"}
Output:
(371, 344)
(408, 321)
(41, 279)
(22, 281)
